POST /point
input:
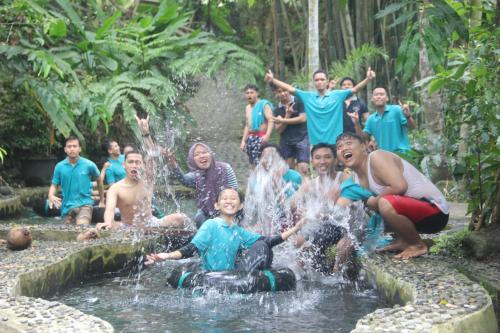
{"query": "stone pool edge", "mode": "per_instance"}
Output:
(436, 297)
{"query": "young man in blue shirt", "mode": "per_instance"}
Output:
(324, 108)
(389, 125)
(74, 176)
(113, 170)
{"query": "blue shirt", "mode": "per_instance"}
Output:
(295, 179)
(76, 182)
(390, 130)
(324, 114)
(218, 243)
(115, 172)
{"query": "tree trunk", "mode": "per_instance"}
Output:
(330, 28)
(475, 21)
(313, 37)
(346, 26)
(280, 38)
(339, 41)
(436, 162)
(296, 64)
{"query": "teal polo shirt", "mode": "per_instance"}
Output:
(295, 179)
(390, 130)
(324, 114)
(218, 243)
(76, 183)
(115, 172)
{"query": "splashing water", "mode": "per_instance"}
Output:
(267, 199)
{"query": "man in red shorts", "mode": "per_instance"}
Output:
(407, 201)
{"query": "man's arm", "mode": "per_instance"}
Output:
(245, 129)
(355, 120)
(100, 188)
(111, 200)
(370, 75)
(292, 121)
(268, 113)
(54, 201)
(285, 86)
(389, 172)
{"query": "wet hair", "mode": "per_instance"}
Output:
(271, 145)
(350, 135)
(134, 151)
(71, 138)
(107, 144)
(324, 145)
(19, 238)
(240, 196)
(347, 78)
(251, 87)
(319, 71)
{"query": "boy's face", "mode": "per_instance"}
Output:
(351, 152)
(323, 160)
(379, 97)
(251, 96)
(72, 148)
(134, 166)
(283, 95)
(229, 202)
(347, 84)
(320, 81)
(114, 149)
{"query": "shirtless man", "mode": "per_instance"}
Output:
(132, 196)
(407, 201)
(258, 124)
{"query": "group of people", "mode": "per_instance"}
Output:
(319, 129)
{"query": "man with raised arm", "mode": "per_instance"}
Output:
(133, 197)
(74, 176)
(324, 108)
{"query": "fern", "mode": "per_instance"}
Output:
(358, 59)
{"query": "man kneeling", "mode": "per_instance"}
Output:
(407, 201)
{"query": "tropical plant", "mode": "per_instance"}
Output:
(470, 83)
(3, 153)
(81, 66)
(357, 61)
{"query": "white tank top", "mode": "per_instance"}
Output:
(419, 187)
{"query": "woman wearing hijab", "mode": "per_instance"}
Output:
(207, 176)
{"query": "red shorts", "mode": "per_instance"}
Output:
(426, 216)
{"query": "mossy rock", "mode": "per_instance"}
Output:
(10, 207)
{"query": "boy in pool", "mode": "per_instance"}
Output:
(219, 240)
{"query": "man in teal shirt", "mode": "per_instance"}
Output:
(389, 125)
(324, 108)
(74, 176)
(113, 169)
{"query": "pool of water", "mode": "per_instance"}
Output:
(147, 305)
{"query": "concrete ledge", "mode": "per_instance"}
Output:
(431, 295)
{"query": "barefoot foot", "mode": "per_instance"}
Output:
(412, 251)
(397, 245)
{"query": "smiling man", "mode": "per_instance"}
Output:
(407, 201)
(324, 108)
(133, 197)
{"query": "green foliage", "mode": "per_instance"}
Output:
(450, 244)
(470, 82)
(358, 60)
(3, 153)
(444, 26)
(80, 66)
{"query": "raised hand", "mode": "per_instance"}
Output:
(143, 124)
(269, 76)
(370, 74)
(406, 109)
(354, 116)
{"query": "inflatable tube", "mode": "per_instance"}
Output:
(191, 276)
